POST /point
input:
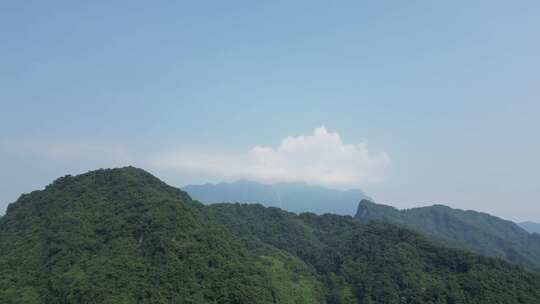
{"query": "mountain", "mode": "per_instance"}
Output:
(293, 197)
(532, 227)
(479, 232)
(378, 262)
(123, 236)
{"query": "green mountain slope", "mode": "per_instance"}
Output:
(378, 262)
(123, 236)
(471, 230)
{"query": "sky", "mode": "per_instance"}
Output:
(414, 102)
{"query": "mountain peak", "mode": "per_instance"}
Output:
(126, 185)
(465, 229)
(369, 210)
(108, 174)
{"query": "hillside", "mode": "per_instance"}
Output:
(378, 262)
(293, 197)
(471, 230)
(123, 236)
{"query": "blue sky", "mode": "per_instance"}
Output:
(448, 92)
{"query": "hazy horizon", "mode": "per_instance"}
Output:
(414, 103)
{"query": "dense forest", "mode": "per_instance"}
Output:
(123, 236)
(479, 232)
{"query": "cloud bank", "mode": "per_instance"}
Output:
(320, 158)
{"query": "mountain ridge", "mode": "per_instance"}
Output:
(295, 197)
(466, 229)
(530, 226)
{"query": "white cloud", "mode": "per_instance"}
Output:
(320, 158)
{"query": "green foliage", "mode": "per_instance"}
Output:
(470, 230)
(378, 262)
(293, 282)
(123, 236)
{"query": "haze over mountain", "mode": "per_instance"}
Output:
(293, 197)
(532, 227)
(123, 236)
(471, 230)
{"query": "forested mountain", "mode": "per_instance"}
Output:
(376, 262)
(293, 197)
(479, 232)
(532, 227)
(123, 236)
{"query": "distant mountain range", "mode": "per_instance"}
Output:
(479, 232)
(532, 227)
(293, 197)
